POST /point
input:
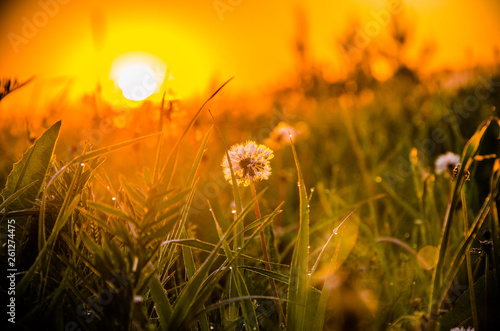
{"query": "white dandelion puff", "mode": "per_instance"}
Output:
(445, 163)
(462, 329)
(250, 163)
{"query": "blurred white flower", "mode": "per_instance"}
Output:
(250, 163)
(280, 135)
(462, 329)
(445, 163)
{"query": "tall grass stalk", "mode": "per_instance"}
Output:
(277, 302)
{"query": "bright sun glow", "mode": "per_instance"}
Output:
(138, 75)
(136, 82)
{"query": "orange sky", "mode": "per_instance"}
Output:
(253, 41)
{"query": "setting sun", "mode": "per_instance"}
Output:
(138, 75)
(136, 82)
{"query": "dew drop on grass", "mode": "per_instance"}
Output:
(233, 211)
(113, 198)
(82, 164)
(335, 233)
(298, 184)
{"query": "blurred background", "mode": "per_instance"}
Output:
(203, 42)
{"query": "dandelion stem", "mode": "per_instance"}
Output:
(266, 256)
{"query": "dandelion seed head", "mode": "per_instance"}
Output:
(445, 163)
(250, 163)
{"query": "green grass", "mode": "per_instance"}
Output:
(358, 200)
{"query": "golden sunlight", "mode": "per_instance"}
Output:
(138, 75)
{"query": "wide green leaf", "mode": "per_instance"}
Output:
(31, 170)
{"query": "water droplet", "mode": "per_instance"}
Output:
(113, 198)
(230, 268)
(308, 247)
(308, 206)
(335, 233)
(210, 209)
(309, 274)
(312, 190)
(82, 164)
(233, 211)
(290, 135)
(107, 187)
(298, 184)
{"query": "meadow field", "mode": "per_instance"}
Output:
(355, 203)
(361, 227)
